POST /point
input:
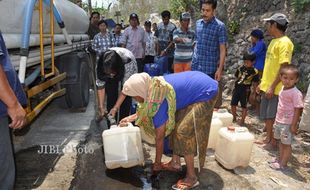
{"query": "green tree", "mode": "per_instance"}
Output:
(179, 6)
(142, 7)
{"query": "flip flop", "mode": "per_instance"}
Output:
(277, 166)
(181, 185)
(273, 160)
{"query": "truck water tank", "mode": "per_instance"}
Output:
(234, 147)
(12, 17)
(122, 147)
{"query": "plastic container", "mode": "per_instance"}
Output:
(153, 69)
(122, 147)
(216, 125)
(234, 147)
(224, 116)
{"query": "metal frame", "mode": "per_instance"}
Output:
(50, 35)
(32, 113)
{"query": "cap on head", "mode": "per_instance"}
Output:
(257, 33)
(278, 18)
(133, 15)
(185, 16)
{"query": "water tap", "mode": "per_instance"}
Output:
(112, 120)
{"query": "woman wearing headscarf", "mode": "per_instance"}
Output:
(179, 106)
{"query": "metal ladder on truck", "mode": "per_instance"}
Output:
(50, 78)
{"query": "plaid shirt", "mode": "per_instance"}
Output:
(210, 35)
(102, 42)
(117, 40)
(164, 35)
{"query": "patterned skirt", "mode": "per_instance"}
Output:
(183, 137)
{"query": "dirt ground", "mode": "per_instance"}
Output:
(257, 175)
(88, 171)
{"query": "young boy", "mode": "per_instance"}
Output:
(246, 74)
(259, 49)
(288, 113)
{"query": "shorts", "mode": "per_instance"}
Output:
(268, 107)
(181, 67)
(239, 95)
(283, 132)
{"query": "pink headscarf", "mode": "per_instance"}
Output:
(137, 85)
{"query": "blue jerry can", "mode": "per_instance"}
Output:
(152, 69)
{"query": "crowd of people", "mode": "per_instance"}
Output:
(171, 106)
(179, 106)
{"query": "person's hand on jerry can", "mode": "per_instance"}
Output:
(125, 121)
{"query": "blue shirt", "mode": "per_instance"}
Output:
(190, 87)
(11, 75)
(260, 51)
(210, 35)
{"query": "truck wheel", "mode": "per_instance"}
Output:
(76, 83)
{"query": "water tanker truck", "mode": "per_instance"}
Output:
(47, 44)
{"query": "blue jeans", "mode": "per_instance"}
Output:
(7, 166)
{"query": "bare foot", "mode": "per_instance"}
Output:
(266, 141)
(269, 147)
(262, 142)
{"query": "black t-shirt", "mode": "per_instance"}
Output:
(245, 76)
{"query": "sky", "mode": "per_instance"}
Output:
(99, 2)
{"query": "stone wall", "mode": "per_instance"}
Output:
(248, 15)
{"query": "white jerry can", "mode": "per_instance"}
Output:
(122, 147)
(216, 125)
(234, 147)
(224, 116)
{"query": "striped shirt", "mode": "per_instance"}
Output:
(183, 51)
(102, 42)
(210, 35)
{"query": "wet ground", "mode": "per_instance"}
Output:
(75, 160)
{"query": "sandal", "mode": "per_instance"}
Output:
(273, 160)
(277, 166)
(169, 167)
(181, 185)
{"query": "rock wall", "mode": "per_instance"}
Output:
(246, 15)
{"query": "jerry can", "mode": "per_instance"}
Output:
(122, 147)
(216, 125)
(234, 147)
(224, 116)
